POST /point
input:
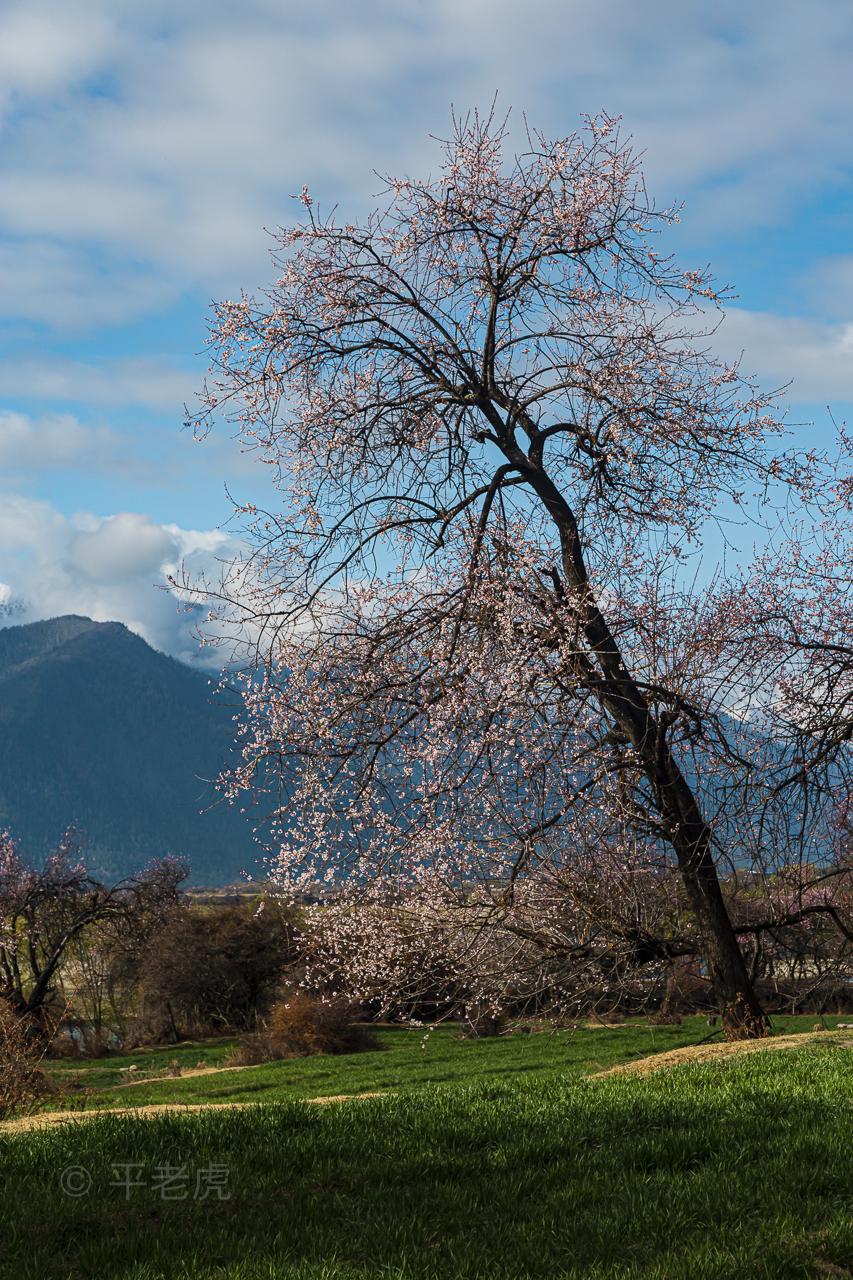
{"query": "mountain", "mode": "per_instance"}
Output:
(99, 730)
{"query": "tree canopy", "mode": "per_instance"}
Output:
(499, 429)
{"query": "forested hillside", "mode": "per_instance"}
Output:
(99, 730)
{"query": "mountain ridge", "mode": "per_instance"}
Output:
(102, 732)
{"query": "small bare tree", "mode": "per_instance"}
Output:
(45, 910)
(21, 1080)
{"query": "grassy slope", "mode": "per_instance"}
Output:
(103, 1073)
(407, 1060)
(707, 1171)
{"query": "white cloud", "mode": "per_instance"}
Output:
(67, 287)
(121, 547)
(47, 47)
(815, 356)
(150, 382)
(59, 442)
(207, 115)
(111, 569)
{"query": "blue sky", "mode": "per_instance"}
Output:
(145, 146)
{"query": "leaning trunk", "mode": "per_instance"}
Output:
(742, 1014)
(622, 698)
(690, 837)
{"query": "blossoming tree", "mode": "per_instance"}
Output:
(497, 429)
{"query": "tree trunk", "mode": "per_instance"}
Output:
(621, 697)
(690, 836)
(173, 1028)
(742, 1014)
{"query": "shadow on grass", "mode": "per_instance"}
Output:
(699, 1173)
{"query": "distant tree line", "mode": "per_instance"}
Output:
(133, 961)
(143, 962)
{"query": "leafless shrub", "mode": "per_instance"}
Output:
(301, 1025)
(479, 1022)
(21, 1080)
(666, 1018)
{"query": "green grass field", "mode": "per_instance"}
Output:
(407, 1059)
(106, 1073)
(491, 1159)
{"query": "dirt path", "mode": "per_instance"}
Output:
(137, 1078)
(48, 1119)
(708, 1052)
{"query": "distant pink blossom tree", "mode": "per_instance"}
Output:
(497, 430)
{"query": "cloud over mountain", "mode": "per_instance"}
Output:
(109, 569)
